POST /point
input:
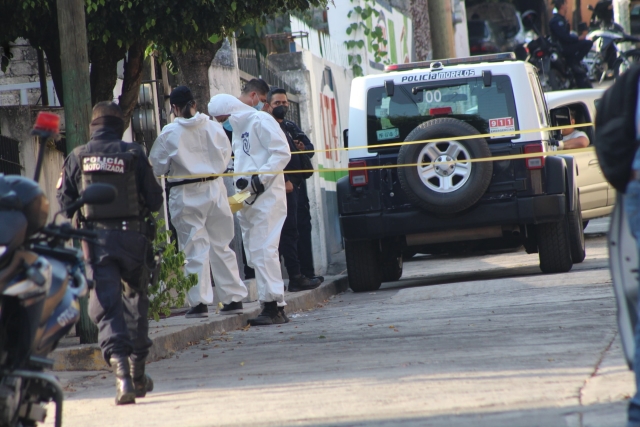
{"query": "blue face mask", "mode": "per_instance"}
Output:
(259, 106)
(227, 125)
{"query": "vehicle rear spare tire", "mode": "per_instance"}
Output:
(553, 246)
(444, 188)
(363, 264)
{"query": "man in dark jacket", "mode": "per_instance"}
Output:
(279, 105)
(124, 252)
(574, 48)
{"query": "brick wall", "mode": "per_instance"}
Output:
(23, 68)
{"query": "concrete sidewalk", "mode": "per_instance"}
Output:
(176, 333)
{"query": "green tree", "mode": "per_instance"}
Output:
(191, 31)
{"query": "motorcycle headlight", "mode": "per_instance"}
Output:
(554, 57)
(3, 250)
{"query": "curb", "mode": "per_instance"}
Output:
(167, 339)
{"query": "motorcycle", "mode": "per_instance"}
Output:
(553, 71)
(607, 60)
(41, 281)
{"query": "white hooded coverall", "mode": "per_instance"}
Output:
(200, 211)
(259, 145)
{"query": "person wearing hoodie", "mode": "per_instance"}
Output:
(261, 152)
(190, 151)
(122, 244)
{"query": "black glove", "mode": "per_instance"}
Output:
(256, 185)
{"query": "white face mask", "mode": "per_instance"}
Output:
(259, 106)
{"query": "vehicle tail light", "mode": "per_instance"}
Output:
(392, 67)
(534, 162)
(358, 178)
(442, 111)
(540, 53)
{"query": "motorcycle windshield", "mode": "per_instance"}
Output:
(623, 262)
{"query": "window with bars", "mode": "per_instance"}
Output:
(9, 156)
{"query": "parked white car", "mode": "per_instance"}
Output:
(597, 196)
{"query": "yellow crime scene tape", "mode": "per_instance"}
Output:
(395, 144)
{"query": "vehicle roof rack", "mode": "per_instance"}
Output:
(497, 57)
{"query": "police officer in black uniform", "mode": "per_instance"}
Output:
(124, 253)
(574, 48)
(289, 237)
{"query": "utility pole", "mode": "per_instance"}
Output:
(77, 106)
(75, 71)
(441, 21)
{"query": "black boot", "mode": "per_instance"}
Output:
(141, 381)
(302, 283)
(270, 315)
(125, 391)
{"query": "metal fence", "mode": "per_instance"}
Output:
(9, 156)
(248, 62)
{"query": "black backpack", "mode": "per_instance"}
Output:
(616, 141)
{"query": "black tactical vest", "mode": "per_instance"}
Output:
(119, 170)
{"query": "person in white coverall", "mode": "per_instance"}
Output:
(259, 145)
(196, 145)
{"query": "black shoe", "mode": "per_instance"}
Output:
(199, 310)
(313, 276)
(302, 283)
(142, 382)
(282, 316)
(234, 307)
(270, 315)
(125, 390)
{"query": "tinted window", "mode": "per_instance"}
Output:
(391, 119)
(477, 29)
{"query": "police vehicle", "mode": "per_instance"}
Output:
(433, 197)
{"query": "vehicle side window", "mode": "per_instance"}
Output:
(581, 115)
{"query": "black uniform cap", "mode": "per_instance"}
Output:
(180, 96)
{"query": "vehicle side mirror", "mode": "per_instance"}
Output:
(560, 117)
(99, 194)
(590, 7)
(345, 137)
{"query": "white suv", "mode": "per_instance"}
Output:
(431, 208)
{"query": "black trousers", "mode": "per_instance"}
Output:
(305, 251)
(121, 312)
(576, 52)
(289, 237)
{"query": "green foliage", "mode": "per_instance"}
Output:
(172, 286)
(378, 42)
(114, 25)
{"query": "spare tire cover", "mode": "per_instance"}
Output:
(444, 188)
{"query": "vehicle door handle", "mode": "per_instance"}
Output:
(593, 162)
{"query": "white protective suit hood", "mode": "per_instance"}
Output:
(198, 119)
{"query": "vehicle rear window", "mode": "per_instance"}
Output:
(488, 109)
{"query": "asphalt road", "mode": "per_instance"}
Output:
(475, 340)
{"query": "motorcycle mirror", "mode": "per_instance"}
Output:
(98, 194)
(95, 194)
(590, 7)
